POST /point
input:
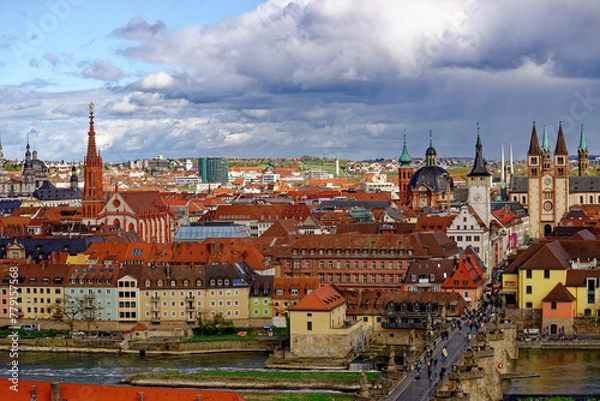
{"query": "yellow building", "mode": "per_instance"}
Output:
(42, 289)
(536, 271)
(319, 327)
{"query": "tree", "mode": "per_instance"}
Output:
(76, 309)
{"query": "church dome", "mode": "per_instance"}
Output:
(433, 177)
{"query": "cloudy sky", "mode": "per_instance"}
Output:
(287, 78)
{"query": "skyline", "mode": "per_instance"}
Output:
(292, 78)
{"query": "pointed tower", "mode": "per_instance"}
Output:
(560, 192)
(546, 152)
(92, 200)
(534, 157)
(502, 166)
(582, 155)
(405, 173)
(479, 182)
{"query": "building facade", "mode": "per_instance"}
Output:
(213, 169)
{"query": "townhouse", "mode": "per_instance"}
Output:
(94, 286)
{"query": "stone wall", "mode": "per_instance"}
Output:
(324, 346)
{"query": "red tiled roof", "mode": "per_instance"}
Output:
(322, 299)
(559, 294)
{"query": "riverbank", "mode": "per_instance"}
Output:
(288, 381)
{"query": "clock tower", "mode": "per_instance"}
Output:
(548, 184)
(479, 181)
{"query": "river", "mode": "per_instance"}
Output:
(111, 368)
(562, 370)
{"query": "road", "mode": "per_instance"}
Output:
(422, 389)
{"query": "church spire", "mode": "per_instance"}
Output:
(561, 147)
(545, 144)
(534, 143)
(479, 165)
(430, 153)
(582, 141)
(91, 150)
(405, 158)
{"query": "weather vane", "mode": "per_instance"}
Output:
(91, 106)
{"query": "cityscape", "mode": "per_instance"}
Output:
(255, 201)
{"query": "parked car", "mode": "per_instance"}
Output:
(104, 333)
(29, 328)
(77, 333)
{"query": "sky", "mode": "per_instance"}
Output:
(289, 78)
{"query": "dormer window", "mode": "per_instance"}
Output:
(186, 283)
(226, 281)
(199, 283)
(147, 283)
(159, 283)
(173, 283)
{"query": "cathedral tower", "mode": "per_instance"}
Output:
(92, 200)
(548, 185)
(582, 155)
(405, 173)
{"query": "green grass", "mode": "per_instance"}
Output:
(292, 375)
(220, 337)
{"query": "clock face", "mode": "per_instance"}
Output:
(547, 181)
(478, 197)
(547, 205)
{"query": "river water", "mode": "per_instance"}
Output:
(111, 368)
(562, 371)
(565, 371)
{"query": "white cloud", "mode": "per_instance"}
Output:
(161, 80)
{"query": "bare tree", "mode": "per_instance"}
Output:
(76, 309)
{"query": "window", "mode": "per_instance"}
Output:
(546, 273)
(309, 326)
(553, 305)
(529, 289)
(529, 305)
(528, 273)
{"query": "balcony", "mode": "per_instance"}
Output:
(155, 308)
(190, 308)
(155, 319)
(155, 298)
(190, 298)
(89, 296)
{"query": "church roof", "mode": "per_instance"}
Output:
(48, 192)
(577, 184)
(433, 177)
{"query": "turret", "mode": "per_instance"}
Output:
(582, 154)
